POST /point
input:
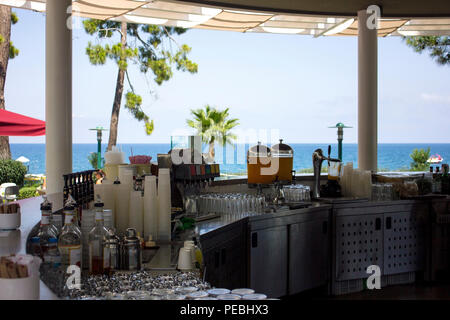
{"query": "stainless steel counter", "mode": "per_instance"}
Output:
(207, 226)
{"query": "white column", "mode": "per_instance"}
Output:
(58, 94)
(367, 94)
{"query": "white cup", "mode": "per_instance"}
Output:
(189, 245)
(184, 259)
(20, 288)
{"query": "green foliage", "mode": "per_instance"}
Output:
(148, 46)
(92, 158)
(12, 171)
(438, 47)
(13, 51)
(14, 18)
(419, 158)
(28, 192)
(213, 124)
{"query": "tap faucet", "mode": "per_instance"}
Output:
(279, 193)
(317, 158)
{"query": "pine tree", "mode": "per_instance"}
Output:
(7, 51)
(148, 46)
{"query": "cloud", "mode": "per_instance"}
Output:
(77, 116)
(435, 98)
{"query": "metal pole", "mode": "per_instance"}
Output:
(367, 94)
(58, 94)
(340, 138)
(99, 149)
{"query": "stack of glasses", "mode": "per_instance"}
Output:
(87, 223)
(297, 193)
(108, 218)
(382, 192)
(232, 205)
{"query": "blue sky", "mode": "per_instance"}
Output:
(298, 85)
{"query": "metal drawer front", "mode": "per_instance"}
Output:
(359, 244)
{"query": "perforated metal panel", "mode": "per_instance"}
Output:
(359, 244)
(403, 243)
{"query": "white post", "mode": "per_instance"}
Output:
(58, 94)
(367, 94)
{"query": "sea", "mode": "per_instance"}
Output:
(232, 159)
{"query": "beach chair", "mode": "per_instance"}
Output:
(10, 194)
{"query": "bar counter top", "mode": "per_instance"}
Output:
(15, 241)
(206, 226)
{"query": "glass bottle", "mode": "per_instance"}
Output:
(97, 237)
(111, 251)
(36, 247)
(69, 243)
(46, 208)
(438, 181)
(52, 256)
(46, 229)
(445, 180)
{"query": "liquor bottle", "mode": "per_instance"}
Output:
(97, 237)
(46, 229)
(438, 181)
(69, 243)
(66, 187)
(52, 256)
(445, 179)
(46, 209)
(36, 247)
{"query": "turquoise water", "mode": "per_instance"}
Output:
(390, 156)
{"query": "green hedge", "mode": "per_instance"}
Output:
(12, 171)
(28, 192)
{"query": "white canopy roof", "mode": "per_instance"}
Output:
(180, 14)
(23, 159)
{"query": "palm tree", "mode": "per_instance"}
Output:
(213, 125)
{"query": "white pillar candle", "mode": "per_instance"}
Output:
(150, 208)
(164, 205)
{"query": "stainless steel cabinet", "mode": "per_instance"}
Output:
(403, 243)
(359, 244)
(269, 261)
(308, 255)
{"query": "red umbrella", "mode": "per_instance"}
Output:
(14, 124)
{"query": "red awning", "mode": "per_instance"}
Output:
(14, 124)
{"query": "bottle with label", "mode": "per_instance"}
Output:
(98, 261)
(46, 230)
(46, 209)
(52, 256)
(69, 243)
(36, 247)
